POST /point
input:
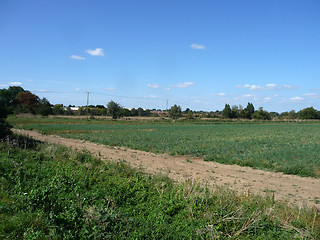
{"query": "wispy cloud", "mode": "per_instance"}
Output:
(297, 99)
(153, 85)
(197, 46)
(246, 96)
(15, 83)
(77, 89)
(266, 99)
(151, 96)
(4, 85)
(182, 85)
(77, 57)
(218, 94)
(96, 52)
(109, 88)
(269, 86)
(312, 95)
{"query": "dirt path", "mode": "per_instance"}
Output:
(298, 190)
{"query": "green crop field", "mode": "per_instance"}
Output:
(292, 148)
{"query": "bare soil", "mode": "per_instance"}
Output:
(301, 191)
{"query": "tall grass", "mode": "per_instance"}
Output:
(50, 192)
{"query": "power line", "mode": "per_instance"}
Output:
(124, 97)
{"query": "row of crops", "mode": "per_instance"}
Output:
(292, 148)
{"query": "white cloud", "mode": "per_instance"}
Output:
(267, 98)
(248, 96)
(4, 85)
(197, 46)
(15, 83)
(269, 86)
(77, 57)
(30, 80)
(96, 52)
(109, 88)
(221, 94)
(151, 96)
(297, 99)
(153, 85)
(182, 85)
(77, 89)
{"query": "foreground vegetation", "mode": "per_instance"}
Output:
(292, 148)
(50, 192)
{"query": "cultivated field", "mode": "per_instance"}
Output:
(292, 148)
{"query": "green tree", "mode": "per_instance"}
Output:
(309, 113)
(114, 109)
(175, 112)
(248, 111)
(58, 109)
(44, 107)
(226, 112)
(234, 112)
(9, 98)
(134, 112)
(4, 126)
(261, 115)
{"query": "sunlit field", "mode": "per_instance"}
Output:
(292, 148)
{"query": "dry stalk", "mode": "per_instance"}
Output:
(248, 223)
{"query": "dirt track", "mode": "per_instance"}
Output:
(298, 190)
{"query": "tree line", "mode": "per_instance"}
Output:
(16, 100)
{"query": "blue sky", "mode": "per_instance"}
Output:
(197, 54)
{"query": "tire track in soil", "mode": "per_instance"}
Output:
(302, 191)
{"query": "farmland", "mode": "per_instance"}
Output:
(292, 148)
(51, 192)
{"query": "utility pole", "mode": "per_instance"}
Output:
(88, 105)
(167, 104)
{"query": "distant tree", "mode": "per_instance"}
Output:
(125, 112)
(274, 114)
(140, 112)
(44, 107)
(234, 112)
(175, 112)
(187, 111)
(9, 98)
(28, 101)
(147, 113)
(261, 115)
(58, 109)
(248, 111)
(226, 112)
(292, 114)
(114, 109)
(134, 112)
(309, 113)
(69, 111)
(100, 106)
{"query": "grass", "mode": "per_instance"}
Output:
(292, 148)
(50, 192)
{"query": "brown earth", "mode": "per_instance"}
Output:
(302, 191)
